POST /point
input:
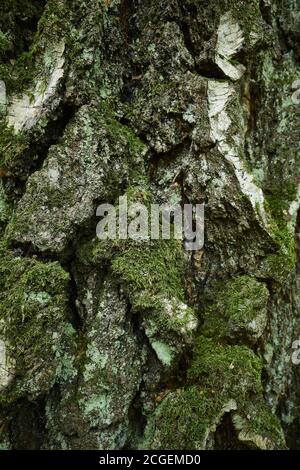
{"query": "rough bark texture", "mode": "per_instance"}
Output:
(122, 344)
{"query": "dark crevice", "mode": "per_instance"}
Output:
(130, 84)
(158, 160)
(20, 23)
(190, 11)
(26, 424)
(135, 414)
(242, 57)
(28, 250)
(133, 70)
(73, 296)
(137, 422)
(52, 134)
(288, 33)
(187, 38)
(266, 12)
(226, 436)
(207, 69)
(282, 37)
(211, 70)
(127, 11)
(170, 380)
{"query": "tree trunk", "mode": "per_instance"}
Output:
(113, 344)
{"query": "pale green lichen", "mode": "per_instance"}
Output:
(163, 351)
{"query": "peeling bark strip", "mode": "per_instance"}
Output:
(25, 112)
(140, 344)
(219, 95)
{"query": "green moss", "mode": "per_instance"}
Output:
(222, 379)
(150, 270)
(136, 147)
(12, 145)
(122, 132)
(53, 23)
(279, 265)
(123, 135)
(5, 44)
(19, 74)
(257, 426)
(35, 323)
(239, 312)
(231, 370)
(151, 274)
(184, 420)
(187, 420)
(279, 198)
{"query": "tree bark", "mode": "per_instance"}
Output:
(113, 344)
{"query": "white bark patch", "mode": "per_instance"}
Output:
(53, 175)
(229, 42)
(293, 211)
(229, 144)
(6, 368)
(2, 93)
(24, 112)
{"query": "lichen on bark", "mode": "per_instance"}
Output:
(112, 344)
